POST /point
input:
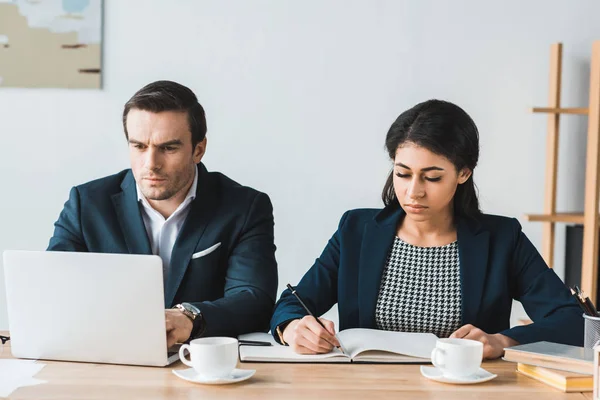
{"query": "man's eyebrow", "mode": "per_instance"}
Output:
(174, 142)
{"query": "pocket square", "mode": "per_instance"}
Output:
(206, 252)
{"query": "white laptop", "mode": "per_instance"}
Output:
(102, 308)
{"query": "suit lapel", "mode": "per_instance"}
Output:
(202, 210)
(130, 218)
(473, 247)
(378, 237)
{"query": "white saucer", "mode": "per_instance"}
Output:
(437, 375)
(191, 375)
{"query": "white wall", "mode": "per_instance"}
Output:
(299, 96)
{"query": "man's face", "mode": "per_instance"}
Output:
(161, 154)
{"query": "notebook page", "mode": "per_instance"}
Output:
(358, 340)
(279, 353)
(380, 357)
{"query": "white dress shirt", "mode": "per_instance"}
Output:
(162, 232)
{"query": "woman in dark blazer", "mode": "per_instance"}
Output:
(430, 261)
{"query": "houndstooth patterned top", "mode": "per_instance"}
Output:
(420, 290)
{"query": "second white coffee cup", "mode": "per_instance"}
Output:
(213, 357)
(458, 358)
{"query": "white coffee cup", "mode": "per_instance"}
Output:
(458, 358)
(211, 357)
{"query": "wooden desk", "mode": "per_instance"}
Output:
(279, 381)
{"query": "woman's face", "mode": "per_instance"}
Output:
(425, 182)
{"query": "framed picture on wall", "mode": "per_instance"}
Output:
(51, 43)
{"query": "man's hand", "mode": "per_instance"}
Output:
(493, 345)
(179, 327)
(306, 336)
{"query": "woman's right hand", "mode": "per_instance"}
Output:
(306, 336)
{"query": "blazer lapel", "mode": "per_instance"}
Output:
(378, 237)
(473, 246)
(202, 210)
(130, 218)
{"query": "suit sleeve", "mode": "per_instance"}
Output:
(317, 288)
(68, 235)
(555, 314)
(250, 282)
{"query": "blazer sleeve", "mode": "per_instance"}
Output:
(68, 235)
(555, 314)
(318, 287)
(250, 282)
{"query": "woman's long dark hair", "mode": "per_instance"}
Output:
(444, 129)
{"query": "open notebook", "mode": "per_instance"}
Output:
(362, 345)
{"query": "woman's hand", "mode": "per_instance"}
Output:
(493, 345)
(306, 336)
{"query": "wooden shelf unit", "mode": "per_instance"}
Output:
(589, 218)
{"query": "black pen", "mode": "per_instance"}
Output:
(584, 302)
(340, 347)
(244, 342)
(589, 304)
(581, 305)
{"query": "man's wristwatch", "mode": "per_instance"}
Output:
(189, 310)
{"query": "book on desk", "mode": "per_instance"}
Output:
(563, 380)
(553, 355)
(361, 345)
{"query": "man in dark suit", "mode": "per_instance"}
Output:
(214, 236)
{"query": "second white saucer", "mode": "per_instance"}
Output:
(437, 375)
(190, 375)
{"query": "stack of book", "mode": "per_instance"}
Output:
(567, 368)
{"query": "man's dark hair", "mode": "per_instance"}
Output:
(169, 96)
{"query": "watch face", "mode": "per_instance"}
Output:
(192, 308)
